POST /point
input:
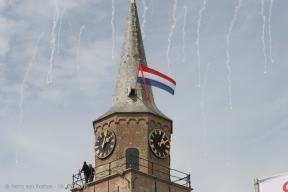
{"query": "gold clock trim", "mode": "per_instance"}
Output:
(157, 132)
(101, 143)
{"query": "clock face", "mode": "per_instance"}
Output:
(105, 144)
(159, 143)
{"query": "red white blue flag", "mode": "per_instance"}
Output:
(154, 78)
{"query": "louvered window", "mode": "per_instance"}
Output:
(132, 158)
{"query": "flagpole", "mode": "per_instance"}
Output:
(139, 63)
(256, 184)
(138, 69)
(145, 85)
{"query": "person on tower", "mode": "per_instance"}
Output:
(91, 173)
(85, 169)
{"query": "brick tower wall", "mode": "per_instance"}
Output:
(132, 131)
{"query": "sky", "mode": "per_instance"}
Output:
(229, 110)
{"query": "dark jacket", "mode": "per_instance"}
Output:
(91, 171)
(85, 169)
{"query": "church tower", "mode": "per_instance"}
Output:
(133, 138)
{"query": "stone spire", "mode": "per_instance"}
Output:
(129, 96)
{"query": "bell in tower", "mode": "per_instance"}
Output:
(133, 138)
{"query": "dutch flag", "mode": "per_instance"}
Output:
(156, 79)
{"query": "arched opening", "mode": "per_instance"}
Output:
(132, 158)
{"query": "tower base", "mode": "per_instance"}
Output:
(133, 181)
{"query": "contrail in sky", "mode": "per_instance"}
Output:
(22, 91)
(144, 18)
(263, 36)
(78, 50)
(171, 33)
(113, 30)
(227, 50)
(198, 39)
(184, 32)
(269, 21)
(63, 11)
(52, 43)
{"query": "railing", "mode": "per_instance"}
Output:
(128, 162)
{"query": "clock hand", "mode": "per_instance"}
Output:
(104, 140)
(108, 139)
(162, 141)
(103, 143)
